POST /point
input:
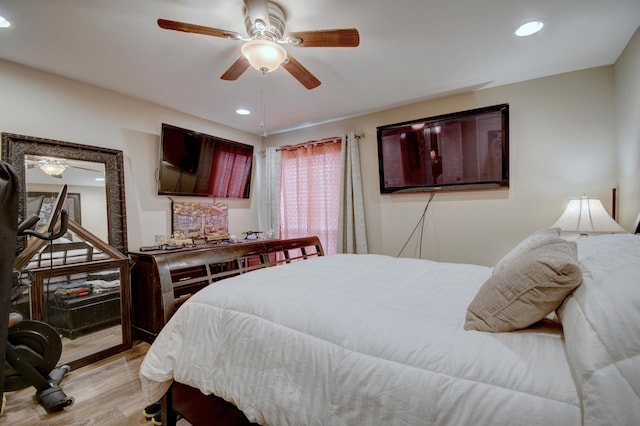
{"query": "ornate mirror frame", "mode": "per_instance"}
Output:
(16, 147)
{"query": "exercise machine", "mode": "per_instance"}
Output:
(33, 347)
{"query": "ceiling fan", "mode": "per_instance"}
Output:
(265, 21)
(53, 166)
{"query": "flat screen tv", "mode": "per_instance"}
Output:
(459, 151)
(196, 164)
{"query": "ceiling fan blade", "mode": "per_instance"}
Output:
(197, 29)
(236, 69)
(257, 10)
(346, 37)
(84, 168)
(300, 73)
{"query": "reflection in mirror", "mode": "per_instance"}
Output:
(86, 190)
(78, 283)
(82, 302)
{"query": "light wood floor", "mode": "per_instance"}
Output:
(90, 343)
(106, 393)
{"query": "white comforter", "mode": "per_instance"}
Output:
(361, 340)
(601, 321)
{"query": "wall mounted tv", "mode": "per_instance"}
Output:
(200, 165)
(459, 151)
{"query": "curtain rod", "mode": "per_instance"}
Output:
(316, 142)
(309, 143)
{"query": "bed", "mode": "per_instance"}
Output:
(377, 340)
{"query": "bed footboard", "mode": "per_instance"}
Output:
(162, 280)
(199, 409)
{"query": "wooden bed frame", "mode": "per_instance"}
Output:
(183, 400)
(199, 409)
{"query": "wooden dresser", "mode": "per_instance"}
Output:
(162, 280)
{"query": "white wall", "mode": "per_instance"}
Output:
(562, 145)
(627, 93)
(93, 206)
(563, 132)
(39, 104)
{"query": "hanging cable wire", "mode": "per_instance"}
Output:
(421, 221)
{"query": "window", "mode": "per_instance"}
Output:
(310, 192)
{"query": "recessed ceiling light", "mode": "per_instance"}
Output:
(4, 23)
(529, 28)
(243, 111)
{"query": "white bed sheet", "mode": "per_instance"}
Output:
(361, 340)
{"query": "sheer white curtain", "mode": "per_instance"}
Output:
(352, 237)
(269, 217)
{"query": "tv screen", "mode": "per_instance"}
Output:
(459, 151)
(201, 165)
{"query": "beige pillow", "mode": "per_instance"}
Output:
(524, 292)
(537, 239)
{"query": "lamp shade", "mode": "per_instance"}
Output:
(587, 216)
(264, 55)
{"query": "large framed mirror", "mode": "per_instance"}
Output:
(91, 256)
(17, 150)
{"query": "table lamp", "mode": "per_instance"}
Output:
(587, 216)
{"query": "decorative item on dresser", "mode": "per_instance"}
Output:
(162, 280)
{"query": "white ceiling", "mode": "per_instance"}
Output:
(83, 173)
(410, 50)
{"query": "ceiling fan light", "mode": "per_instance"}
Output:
(264, 55)
(53, 168)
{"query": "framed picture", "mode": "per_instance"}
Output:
(42, 203)
(206, 221)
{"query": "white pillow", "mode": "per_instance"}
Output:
(538, 238)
